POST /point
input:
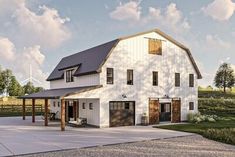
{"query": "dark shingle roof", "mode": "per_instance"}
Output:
(57, 93)
(89, 61)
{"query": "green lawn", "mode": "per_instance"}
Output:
(222, 130)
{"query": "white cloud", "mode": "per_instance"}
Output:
(220, 10)
(170, 17)
(7, 49)
(19, 61)
(214, 42)
(46, 29)
(128, 11)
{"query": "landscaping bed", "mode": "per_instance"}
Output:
(222, 130)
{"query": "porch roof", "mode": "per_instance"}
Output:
(58, 93)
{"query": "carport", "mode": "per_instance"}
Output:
(46, 95)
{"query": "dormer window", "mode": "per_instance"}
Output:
(69, 76)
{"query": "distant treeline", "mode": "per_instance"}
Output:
(10, 86)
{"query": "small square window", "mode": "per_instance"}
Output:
(127, 106)
(191, 105)
(83, 105)
(91, 106)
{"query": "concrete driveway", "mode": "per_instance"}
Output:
(22, 137)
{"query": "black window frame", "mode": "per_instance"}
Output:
(84, 106)
(191, 106)
(69, 76)
(177, 79)
(130, 77)
(91, 106)
(109, 79)
(155, 78)
(191, 80)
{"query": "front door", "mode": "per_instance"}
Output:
(153, 112)
(165, 114)
(176, 111)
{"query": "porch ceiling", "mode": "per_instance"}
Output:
(58, 93)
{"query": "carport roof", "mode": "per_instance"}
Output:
(58, 93)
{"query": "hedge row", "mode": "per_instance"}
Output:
(216, 106)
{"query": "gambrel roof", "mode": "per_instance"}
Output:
(91, 60)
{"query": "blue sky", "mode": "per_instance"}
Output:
(40, 32)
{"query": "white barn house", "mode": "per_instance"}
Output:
(116, 83)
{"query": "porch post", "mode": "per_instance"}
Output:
(62, 114)
(33, 110)
(23, 109)
(46, 113)
(75, 110)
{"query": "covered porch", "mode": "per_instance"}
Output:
(69, 108)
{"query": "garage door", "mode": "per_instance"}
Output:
(122, 113)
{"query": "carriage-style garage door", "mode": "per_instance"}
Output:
(121, 113)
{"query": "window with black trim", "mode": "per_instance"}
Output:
(177, 79)
(58, 104)
(191, 105)
(91, 106)
(191, 80)
(109, 75)
(130, 77)
(69, 76)
(83, 105)
(155, 78)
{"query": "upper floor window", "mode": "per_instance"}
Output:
(109, 75)
(155, 78)
(69, 76)
(191, 80)
(177, 79)
(155, 46)
(130, 77)
(191, 105)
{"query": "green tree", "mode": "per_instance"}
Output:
(15, 88)
(224, 77)
(29, 88)
(6, 76)
(1, 82)
(38, 89)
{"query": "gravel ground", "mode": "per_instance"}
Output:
(189, 146)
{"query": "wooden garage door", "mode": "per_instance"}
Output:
(121, 113)
(153, 112)
(176, 111)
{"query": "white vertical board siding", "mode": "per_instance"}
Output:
(86, 80)
(56, 108)
(91, 115)
(133, 54)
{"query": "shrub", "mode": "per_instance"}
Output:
(226, 135)
(198, 118)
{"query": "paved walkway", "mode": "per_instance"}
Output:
(22, 137)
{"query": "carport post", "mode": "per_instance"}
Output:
(62, 124)
(46, 113)
(33, 110)
(23, 108)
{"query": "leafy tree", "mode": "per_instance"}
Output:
(1, 82)
(38, 89)
(224, 77)
(15, 88)
(6, 76)
(28, 88)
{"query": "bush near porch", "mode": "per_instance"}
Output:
(222, 130)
